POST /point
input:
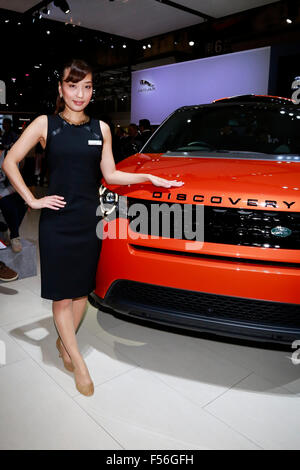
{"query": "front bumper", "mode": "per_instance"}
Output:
(157, 281)
(250, 319)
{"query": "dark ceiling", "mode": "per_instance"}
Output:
(33, 52)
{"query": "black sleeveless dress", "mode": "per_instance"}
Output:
(69, 246)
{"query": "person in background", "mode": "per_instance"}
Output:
(120, 137)
(134, 141)
(120, 133)
(13, 208)
(7, 274)
(9, 136)
(145, 129)
(115, 136)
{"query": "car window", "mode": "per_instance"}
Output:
(257, 127)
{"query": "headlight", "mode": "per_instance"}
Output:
(111, 204)
(108, 200)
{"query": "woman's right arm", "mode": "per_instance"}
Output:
(34, 133)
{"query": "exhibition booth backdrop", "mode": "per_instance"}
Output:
(157, 92)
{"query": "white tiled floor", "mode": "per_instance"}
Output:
(153, 389)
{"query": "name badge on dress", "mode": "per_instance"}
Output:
(95, 142)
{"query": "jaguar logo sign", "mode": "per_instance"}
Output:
(146, 86)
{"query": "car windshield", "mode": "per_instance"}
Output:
(253, 127)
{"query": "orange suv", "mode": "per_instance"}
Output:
(221, 254)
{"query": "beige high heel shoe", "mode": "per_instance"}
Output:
(69, 366)
(86, 390)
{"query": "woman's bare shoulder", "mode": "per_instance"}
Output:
(41, 120)
(39, 128)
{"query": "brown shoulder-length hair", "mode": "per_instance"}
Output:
(78, 70)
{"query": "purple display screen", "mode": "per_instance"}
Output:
(157, 92)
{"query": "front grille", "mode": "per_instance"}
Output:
(245, 227)
(139, 296)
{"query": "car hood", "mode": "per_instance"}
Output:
(223, 181)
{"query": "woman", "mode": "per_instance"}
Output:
(78, 149)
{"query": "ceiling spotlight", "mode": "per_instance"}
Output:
(191, 43)
(292, 12)
(46, 11)
(63, 5)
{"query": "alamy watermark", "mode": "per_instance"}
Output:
(296, 354)
(152, 220)
(296, 94)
